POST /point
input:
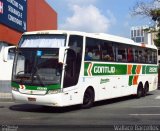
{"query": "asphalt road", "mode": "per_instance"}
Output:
(127, 113)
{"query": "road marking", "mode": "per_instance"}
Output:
(146, 107)
(158, 97)
(7, 102)
(144, 114)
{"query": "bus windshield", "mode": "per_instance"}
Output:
(37, 66)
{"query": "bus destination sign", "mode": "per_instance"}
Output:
(13, 13)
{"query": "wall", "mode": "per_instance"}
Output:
(8, 35)
(40, 16)
(6, 70)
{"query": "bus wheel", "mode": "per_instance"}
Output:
(88, 98)
(146, 89)
(140, 90)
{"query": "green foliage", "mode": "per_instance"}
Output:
(148, 8)
(157, 41)
(155, 14)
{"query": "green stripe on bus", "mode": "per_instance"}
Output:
(150, 70)
(86, 65)
(134, 69)
(104, 69)
(143, 69)
(49, 87)
(130, 80)
(97, 69)
(14, 84)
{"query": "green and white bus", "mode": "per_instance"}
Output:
(63, 68)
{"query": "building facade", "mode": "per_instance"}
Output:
(17, 16)
(137, 33)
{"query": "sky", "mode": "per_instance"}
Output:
(97, 16)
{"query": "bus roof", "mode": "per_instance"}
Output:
(102, 36)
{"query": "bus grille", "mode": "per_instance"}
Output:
(33, 92)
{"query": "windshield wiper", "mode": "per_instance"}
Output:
(35, 75)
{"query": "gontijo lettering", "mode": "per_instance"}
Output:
(104, 69)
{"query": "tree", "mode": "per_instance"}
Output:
(157, 41)
(148, 9)
(152, 10)
(155, 14)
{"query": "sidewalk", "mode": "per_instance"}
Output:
(5, 97)
(5, 90)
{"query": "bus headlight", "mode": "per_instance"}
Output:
(54, 91)
(15, 89)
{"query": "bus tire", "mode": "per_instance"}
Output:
(146, 89)
(140, 90)
(88, 98)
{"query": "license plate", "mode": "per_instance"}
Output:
(31, 99)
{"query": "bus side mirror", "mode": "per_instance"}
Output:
(6, 52)
(62, 52)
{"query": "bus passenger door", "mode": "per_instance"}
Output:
(72, 68)
(69, 75)
(73, 61)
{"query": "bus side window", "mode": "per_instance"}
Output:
(136, 56)
(149, 58)
(144, 56)
(108, 51)
(93, 49)
(97, 52)
(96, 55)
(88, 54)
(121, 53)
(130, 55)
(139, 56)
(154, 58)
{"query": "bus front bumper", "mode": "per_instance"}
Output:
(47, 100)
